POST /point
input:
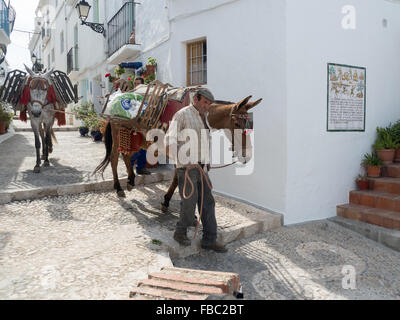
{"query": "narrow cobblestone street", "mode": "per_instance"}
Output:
(307, 262)
(93, 245)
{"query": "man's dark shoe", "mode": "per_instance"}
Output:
(182, 239)
(143, 171)
(216, 247)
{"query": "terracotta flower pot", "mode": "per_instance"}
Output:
(386, 155)
(363, 184)
(397, 155)
(150, 69)
(3, 125)
(374, 172)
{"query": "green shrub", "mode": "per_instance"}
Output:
(5, 115)
(394, 131)
(87, 114)
(119, 71)
(371, 160)
(385, 139)
(151, 61)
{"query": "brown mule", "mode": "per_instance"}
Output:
(221, 116)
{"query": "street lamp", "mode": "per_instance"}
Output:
(37, 66)
(34, 59)
(83, 12)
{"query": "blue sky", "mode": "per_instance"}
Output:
(17, 51)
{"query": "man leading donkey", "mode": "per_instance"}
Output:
(193, 170)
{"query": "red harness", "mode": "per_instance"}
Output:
(51, 98)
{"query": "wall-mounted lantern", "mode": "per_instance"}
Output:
(83, 12)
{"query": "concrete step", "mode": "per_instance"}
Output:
(181, 286)
(391, 170)
(187, 284)
(385, 184)
(223, 285)
(145, 293)
(376, 199)
(387, 237)
(380, 217)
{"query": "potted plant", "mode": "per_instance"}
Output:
(362, 182)
(119, 71)
(94, 124)
(149, 78)
(83, 112)
(384, 145)
(373, 164)
(5, 119)
(151, 66)
(395, 133)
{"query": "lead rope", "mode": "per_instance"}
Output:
(187, 178)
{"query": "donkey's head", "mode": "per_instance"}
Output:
(235, 117)
(38, 86)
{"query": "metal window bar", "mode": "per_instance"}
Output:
(70, 61)
(198, 63)
(4, 17)
(120, 27)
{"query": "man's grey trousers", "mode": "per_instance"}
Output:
(188, 206)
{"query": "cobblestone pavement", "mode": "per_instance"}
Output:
(73, 160)
(91, 245)
(306, 262)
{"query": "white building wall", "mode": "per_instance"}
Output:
(322, 166)
(246, 56)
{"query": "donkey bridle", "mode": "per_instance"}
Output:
(44, 85)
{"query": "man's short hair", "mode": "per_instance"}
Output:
(140, 79)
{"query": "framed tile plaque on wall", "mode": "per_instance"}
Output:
(346, 98)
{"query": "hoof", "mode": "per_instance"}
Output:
(36, 169)
(129, 187)
(50, 150)
(46, 164)
(164, 208)
(121, 194)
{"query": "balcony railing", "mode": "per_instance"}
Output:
(72, 60)
(7, 17)
(120, 27)
(46, 33)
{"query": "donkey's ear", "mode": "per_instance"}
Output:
(251, 105)
(241, 104)
(29, 71)
(47, 74)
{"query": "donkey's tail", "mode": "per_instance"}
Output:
(108, 142)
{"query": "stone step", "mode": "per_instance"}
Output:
(232, 280)
(223, 285)
(187, 284)
(391, 170)
(376, 199)
(181, 286)
(380, 217)
(388, 237)
(386, 184)
(143, 293)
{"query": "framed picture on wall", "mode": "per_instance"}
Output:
(346, 98)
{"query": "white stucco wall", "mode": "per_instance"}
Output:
(322, 165)
(246, 56)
